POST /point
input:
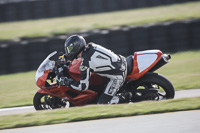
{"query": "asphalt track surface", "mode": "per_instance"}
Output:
(178, 122)
(29, 109)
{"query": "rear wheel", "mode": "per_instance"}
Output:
(152, 86)
(46, 102)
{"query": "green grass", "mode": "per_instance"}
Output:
(48, 27)
(183, 71)
(17, 89)
(97, 112)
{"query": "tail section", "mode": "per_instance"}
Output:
(143, 61)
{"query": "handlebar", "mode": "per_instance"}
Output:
(61, 67)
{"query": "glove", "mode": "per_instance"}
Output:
(65, 81)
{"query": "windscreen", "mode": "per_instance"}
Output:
(45, 65)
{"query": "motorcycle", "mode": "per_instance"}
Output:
(141, 81)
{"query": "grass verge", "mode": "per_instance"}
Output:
(183, 71)
(63, 25)
(94, 112)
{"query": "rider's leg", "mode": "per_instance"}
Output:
(108, 97)
(116, 81)
(123, 97)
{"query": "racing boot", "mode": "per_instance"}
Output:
(123, 97)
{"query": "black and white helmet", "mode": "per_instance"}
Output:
(73, 46)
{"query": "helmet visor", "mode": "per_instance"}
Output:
(68, 49)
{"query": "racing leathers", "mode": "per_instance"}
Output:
(106, 63)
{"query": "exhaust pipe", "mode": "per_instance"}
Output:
(166, 57)
(163, 60)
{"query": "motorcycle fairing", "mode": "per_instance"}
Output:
(76, 98)
(143, 61)
(41, 81)
(42, 72)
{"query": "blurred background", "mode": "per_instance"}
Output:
(31, 29)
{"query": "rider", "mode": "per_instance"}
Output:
(101, 61)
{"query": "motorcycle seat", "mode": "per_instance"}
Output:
(129, 61)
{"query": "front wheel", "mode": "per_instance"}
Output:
(43, 101)
(152, 86)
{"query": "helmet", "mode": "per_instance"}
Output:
(73, 46)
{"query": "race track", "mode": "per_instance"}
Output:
(29, 109)
(177, 122)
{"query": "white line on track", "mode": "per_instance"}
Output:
(29, 109)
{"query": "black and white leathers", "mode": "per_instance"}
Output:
(106, 63)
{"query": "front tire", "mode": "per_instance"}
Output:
(43, 101)
(157, 82)
(37, 103)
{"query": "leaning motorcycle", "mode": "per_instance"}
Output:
(141, 81)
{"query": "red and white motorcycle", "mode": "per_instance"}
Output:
(141, 81)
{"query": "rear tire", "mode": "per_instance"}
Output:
(158, 80)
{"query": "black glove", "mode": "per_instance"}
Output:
(65, 81)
